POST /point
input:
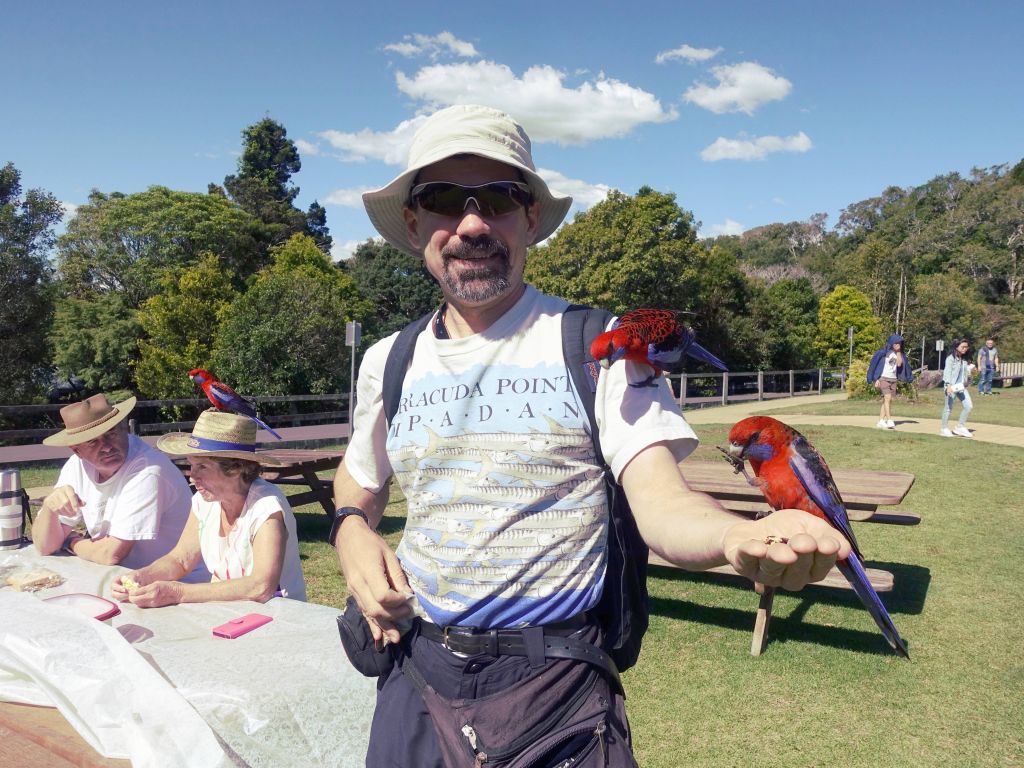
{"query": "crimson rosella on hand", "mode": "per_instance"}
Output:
(655, 337)
(793, 475)
(224, 398)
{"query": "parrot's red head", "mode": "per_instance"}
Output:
(199, 376)
(758, 438)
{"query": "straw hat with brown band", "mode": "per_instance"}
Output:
(218, 435)
(89, 419)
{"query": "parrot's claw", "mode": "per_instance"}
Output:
(737, 463)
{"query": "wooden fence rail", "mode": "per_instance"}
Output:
(139, 425)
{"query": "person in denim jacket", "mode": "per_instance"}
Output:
(955, 378)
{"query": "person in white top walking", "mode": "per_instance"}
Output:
(955, 378)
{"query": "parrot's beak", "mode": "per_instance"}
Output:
(735, 449)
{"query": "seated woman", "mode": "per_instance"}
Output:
(240, 525)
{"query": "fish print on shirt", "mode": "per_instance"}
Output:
(507, 513)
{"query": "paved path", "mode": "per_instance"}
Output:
(729, 414)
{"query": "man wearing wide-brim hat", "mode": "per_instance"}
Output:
(508, 518)
(117, 500)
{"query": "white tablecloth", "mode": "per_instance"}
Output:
(156, 686)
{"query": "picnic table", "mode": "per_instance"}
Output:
(863, 491)
(151, 682)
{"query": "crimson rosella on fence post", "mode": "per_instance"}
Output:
(224, 398)
(793, 475)
(655, 337)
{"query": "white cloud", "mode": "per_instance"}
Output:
(729, 227)
(584, 194)
(778, 201)
(70, 210)
(741, 88)
(341, 251)
(687, 52)
(307, 148)
(387, 146)
(539, 99)
(347, 198)
(432, 46)
(756, 148)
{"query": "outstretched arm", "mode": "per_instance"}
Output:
(789, 548)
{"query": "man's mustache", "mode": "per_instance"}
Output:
(480, 248)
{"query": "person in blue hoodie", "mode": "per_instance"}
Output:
(888, 367)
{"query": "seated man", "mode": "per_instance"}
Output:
(131, 499)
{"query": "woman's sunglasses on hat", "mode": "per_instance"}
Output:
(450, 199)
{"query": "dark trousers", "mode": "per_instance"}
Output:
(402, 734)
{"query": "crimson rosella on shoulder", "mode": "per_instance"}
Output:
(793, 475)
(224, 398)
(655, 337)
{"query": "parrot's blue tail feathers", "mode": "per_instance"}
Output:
(262, 425)
(852, 569)
(697, 352)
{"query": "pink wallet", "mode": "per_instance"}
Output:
(241, 625)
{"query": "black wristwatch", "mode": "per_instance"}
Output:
(339, 516)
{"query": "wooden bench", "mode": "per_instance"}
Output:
(863, 491)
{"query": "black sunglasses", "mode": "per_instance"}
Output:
(450, 199)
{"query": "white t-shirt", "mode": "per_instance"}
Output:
(146, 501)
(889, 370)
(507, 515)
(231, 556)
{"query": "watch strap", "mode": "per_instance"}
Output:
(339, 517)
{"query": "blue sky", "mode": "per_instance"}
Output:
(750, 112)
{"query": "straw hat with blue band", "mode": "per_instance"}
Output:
(465, 129)
(217, 435)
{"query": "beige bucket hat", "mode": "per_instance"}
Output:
(89, 419)
(218, 435)
(463, 129)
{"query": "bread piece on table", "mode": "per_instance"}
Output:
(32, 579)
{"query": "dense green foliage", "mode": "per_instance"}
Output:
(26, 305)
(286, 334)
(397, 286)
(151, 284)
(180, 326)
(941, 260)
(262, 185)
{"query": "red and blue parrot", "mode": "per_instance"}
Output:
(793, 475)
(655, 337)
(224, 398)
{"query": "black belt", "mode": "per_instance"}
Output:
(559, 642)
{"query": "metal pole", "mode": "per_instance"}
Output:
(682, 392)
(351, 391)
(725, 389)
(821, 380)
(923, 364)
(790, 382)
(760, 385)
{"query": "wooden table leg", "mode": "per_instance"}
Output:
(324, 492)
(764, 617)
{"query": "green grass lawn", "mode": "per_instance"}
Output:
(828, 691)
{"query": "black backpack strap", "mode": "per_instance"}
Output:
(623, 608)
(580, 326)
(398, 363)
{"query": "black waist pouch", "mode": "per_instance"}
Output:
(357, 640)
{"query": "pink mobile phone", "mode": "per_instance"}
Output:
(241, 625)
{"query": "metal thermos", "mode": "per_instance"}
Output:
(12, 509)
